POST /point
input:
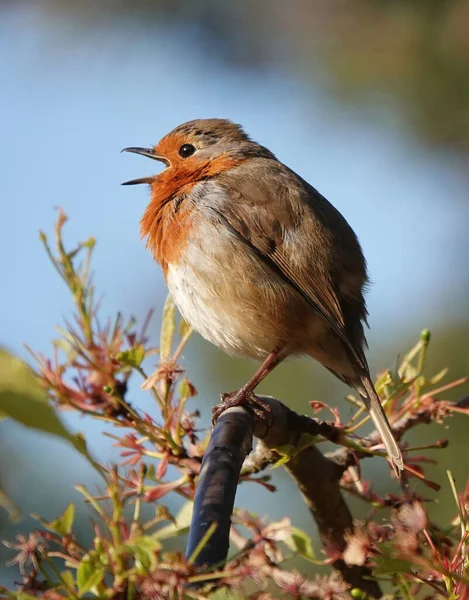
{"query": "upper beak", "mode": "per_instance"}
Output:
(150, 153)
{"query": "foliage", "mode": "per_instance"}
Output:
(129, 557)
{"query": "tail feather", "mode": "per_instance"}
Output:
(373, 404)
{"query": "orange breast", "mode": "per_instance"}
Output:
(172, 229)
(171, 215)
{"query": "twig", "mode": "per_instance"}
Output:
(425, 414)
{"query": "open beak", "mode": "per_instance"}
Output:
(150, 153)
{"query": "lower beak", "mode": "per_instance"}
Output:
(138, 181)
(150, 153)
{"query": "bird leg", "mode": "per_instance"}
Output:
(245, 394)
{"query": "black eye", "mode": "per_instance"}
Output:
(186, 150)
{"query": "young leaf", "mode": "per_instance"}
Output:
(186, 389)
(289, 452)
(300, 543)
(438, 377)
(386, 566)
(88, 575)
(132, 357)
(9, 506)
(179, 527)
(286, 452)
(144, 549)
(168, 327)
(63, 524)
(184, 328)
(68, 579)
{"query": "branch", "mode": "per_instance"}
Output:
(230, 442)
(317, 477)
(425, 414)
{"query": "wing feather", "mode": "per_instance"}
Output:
(285, 221)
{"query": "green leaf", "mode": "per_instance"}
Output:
(63, 524)
(288, 451)
(386, 565)
(168, 327)
(301, 543)
(162, 513)
(281, 461)
(16, 595)
(66, 347)
(144, 549)
(186, 389)
(9, 506)
(438, 377)
(184, 328)
(23, 399)
(69, 579)
(151, 472)
(383, 381)
(226, 595)
(88, 575)
(132, 357)
(180, 525)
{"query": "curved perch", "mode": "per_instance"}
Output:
(230, 443)
(317, 476)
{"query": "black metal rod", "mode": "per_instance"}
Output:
(230, 443)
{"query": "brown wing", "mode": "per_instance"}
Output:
(303, 238)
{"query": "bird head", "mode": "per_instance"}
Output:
(202, 146)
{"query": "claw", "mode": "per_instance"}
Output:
(240, 398)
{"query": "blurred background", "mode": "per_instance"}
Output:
(367, 100)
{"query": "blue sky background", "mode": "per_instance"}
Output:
(73, 96)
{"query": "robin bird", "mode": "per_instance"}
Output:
(257, 260)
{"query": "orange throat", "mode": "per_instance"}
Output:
(170, 214)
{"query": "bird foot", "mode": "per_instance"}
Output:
(240, 398)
